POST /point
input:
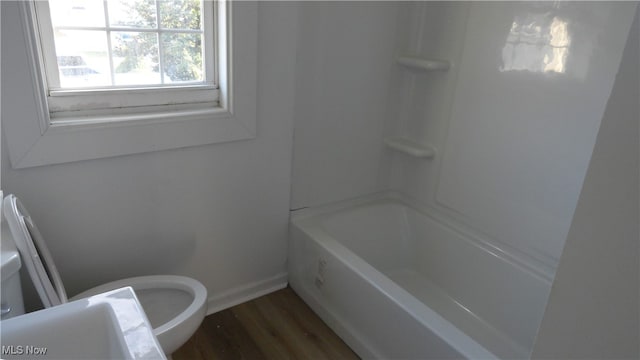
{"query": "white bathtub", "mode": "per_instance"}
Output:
(395, 283)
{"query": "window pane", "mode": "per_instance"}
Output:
(135, 58)
(83, 58)
(77, 13)
(132, 13)
(183, 56)
(179, 14)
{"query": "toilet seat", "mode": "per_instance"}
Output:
(34, 253)
(175, 305)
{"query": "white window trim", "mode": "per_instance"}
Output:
(39, 141)
(68, 103)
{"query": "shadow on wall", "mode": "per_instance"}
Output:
(126, 257)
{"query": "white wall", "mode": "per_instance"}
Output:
(513, 141)
(344, 60)
(593, 309)
(218, 213)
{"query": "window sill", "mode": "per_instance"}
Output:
(143, 118)
(68, 141)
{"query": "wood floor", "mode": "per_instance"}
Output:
(276, 326)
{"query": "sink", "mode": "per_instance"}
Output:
(111, 325)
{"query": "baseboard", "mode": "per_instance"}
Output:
(245, 293)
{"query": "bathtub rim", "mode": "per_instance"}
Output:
(532, 265)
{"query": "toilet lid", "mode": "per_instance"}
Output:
(34, 253)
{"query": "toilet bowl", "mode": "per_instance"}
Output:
(174, 305)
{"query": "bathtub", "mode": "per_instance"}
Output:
(395, 282)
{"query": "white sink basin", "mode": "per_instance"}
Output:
(111, 325)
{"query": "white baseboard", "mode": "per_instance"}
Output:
(245, 293)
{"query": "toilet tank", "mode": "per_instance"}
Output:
(11, 302)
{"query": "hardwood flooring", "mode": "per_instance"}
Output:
(275, 326)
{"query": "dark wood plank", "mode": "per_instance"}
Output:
(221, 336)
(276, 326)
(267, 334)
(315, 331)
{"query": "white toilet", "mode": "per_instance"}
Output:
(175, 305)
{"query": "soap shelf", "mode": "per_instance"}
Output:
(410, 147)
(403, 144)
(422, 64)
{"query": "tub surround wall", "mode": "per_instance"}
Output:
(514, 136)
(345, 54)
(419, 102)
(217, 213)
(593, 305)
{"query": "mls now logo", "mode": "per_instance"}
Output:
(23, 350)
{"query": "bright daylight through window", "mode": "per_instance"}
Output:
(141, 47)
(128, 42)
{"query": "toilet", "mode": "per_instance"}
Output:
(174, 305)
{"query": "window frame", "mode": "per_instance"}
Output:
(42, 139)
(119, 99)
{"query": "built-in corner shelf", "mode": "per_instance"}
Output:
(410, 147)
(422, 64)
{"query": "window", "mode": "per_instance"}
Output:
(117, 77)
(155, 52)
